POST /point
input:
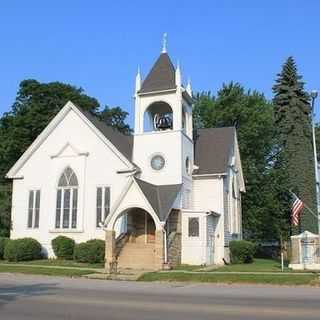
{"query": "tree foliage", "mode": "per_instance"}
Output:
(115, 117)
(293, 123)
(35, 106)
(252, 114)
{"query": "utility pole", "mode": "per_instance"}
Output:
(314, 95)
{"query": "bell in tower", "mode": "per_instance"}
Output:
(162, 122)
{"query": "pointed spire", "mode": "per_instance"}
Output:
(138, 80)
(164, 43)
(178, 75)
(189, 88)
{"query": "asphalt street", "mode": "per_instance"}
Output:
(47, 298)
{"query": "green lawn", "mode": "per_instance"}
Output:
(44, 271)
(259, 265)
(187, 267)
(230, 278)
(58, 262)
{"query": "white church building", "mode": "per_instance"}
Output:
(165, 195)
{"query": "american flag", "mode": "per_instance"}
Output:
(297, 207)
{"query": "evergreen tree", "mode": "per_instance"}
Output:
(293, 123)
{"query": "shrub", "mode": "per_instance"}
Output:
(241, 251)
(3, 242)
(23, 249)
(91, 251)
(63, 247)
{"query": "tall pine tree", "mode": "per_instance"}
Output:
(293, 122)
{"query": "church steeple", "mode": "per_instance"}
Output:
(161, 76)
(163, 123)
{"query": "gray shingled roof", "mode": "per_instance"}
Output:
(212, 149)
(161, 77)
(124, 143)
(161, 198)
(212, 146)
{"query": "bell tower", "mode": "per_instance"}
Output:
(163, 146)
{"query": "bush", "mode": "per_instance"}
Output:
(241, 251)
(3, 242)
(63, 247)
(91, 251)
(23, 249)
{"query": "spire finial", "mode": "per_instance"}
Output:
(138, 80)
(189, 88)
(164, 43)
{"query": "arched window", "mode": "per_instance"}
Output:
(67, 200)
(158, 117)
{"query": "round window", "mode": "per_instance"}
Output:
(157, 162)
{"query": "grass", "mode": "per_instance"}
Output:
(230, 278)
(57, 262)
(258, 265)
(187, 267)
(43, 271)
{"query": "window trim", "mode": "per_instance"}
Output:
(198, 233)
(63, 190)
(34, 208)
(103, 187)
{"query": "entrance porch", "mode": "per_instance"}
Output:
(140, 246)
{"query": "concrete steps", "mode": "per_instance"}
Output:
(137, 256)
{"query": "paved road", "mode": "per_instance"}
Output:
(47, 298)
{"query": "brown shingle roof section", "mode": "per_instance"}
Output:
(161, 198)
(121, 141)
(212, 148)
(161, 77)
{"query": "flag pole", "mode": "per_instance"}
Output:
(314, 95)
(305, 206)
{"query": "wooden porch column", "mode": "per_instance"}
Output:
(110, 258)
(159, 249)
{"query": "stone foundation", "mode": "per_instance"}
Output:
(159, 249)
(110, 253)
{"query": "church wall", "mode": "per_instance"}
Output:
(187, 152)
(194, 249)
(42, 171)
(167, 144)
(208, 195)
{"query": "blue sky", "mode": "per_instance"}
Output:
(99, 44)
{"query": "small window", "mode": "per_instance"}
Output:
(103, 204)
(34, 209)
(157, 162)
(193, 227)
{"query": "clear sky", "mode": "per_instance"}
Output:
(99, 44)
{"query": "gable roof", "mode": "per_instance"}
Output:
(161, 77)
(161, 198)
(124, 143)
(212, 148)
(118, 142)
